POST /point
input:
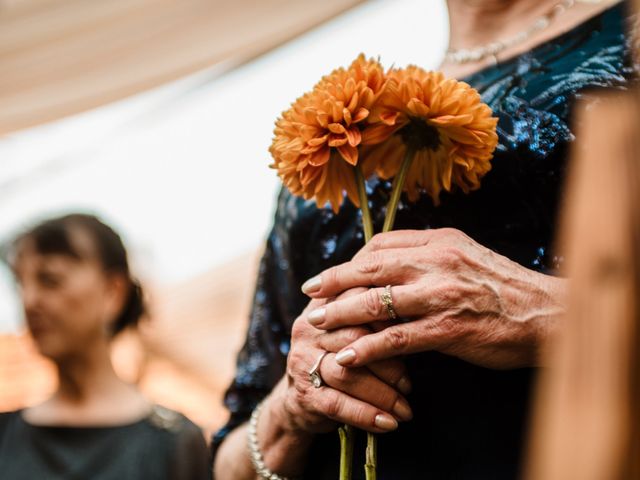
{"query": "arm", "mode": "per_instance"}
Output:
(284, 449)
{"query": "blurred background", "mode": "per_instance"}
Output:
(157, 115)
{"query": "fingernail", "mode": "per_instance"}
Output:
(312, 285)
(402, 410)
(346, 357)
(385, 422)
(316, 317)
(404, 385)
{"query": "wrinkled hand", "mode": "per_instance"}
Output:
(455, 295)
(370, 398)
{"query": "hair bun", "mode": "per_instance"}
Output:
(133, 310)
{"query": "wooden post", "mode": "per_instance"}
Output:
(586, 418)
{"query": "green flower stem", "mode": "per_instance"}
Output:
(367, 224)
(371, 457)
(396, 190)
(346, 432)
(346, 451)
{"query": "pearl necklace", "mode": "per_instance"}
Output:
(491, 50)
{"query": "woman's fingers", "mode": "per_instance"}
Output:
(349, 395)
(392, 372)
(361, 384)
(388, 259)
(397, 239)
(335, 340)
(357, 397)
(391, 267)
(342, 408)
(401, 339)
(367, 307)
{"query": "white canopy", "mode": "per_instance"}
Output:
(181, 170)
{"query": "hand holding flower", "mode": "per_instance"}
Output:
(457, 297)
(370, 398)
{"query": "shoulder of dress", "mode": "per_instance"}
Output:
(6, 418)
(166, 419)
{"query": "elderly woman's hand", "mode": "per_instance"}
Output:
(455, 295)
(370, 398)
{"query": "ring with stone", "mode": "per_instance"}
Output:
(387, 301)
(314, 373)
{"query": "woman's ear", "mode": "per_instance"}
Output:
(117, 290)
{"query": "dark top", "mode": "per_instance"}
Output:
(469, 422)
(163, 446)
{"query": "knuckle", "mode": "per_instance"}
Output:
(299, 327)
(450, 327)
(450, 232)
(446, 331)
(337, 374)
(371, 264)
(294, 377)
(361, 415)
(305, 401)
(297, 396)
(332, 406)
(396, 339)
(377, 242)
(294, 358)
(353, 334)
(444, 298)
(371, 303)
(450, 295)
(450, 256)
(446, 326)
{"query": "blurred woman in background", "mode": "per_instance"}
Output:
(78, 293)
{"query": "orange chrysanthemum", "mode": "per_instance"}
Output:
(443, 121)
(316, 141)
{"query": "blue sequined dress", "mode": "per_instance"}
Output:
(469, 422)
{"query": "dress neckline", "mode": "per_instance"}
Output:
(83, 428)
(543, 46)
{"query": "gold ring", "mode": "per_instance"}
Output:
(387, 301)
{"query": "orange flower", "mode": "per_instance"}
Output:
(315, 145)
(443, 121)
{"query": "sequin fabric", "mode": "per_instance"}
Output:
(469, 422)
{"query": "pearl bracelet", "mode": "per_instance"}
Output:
(254, 450)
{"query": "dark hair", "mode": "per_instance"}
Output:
(55, 236)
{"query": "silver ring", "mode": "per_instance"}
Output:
(314, 373)
(387, 301)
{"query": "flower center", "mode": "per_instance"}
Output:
(419, 135)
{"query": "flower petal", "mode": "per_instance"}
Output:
(354, 136)
(320, 157)
(317, 141)
(337, 141)
(377, 133)
(337, 128)
(457, 120)
(349, 153)
(360, 115)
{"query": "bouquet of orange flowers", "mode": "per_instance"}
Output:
(427, 132)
